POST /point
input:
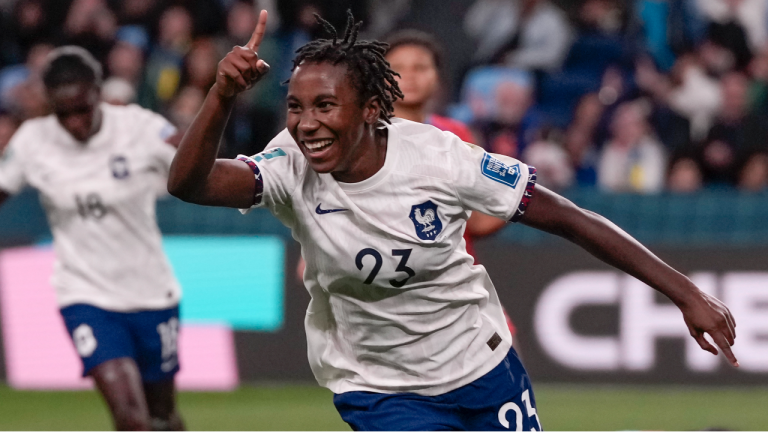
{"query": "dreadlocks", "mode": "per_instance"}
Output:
(368, 70)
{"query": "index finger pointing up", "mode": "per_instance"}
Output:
(258, 33)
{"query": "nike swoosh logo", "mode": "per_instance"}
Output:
(320, 211)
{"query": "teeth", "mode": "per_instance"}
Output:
(317, 145)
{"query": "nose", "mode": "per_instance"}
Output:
(308, 122)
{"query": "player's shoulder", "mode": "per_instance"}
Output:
(282, 140)
(130, 112)
(456, 127)
(283, 148)
(428, 143)
(36, 133)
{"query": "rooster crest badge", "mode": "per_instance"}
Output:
(426, 220)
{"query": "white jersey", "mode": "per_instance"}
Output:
(397, 304)
(100, 201)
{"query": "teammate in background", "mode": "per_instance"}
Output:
(418, 60)
(401, 326)
(99, 169)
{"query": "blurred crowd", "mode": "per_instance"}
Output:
(626, 95)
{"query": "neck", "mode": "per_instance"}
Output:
(368, 161)
(97, 121)
(417, 113)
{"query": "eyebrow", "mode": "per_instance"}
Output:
(318, 98)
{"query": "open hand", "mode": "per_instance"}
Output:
(241, 68)
(709, 315)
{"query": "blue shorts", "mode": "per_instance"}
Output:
(500, 400)
(149, 337)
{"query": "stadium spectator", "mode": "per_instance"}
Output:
(580, 139)
(633, 160)
(736, 137)
(406, 332)
(99, 179)
(553, 164)
(498, 103)
(30, 23)
(685, 175)
(199, 69)
(126, 58)
(163, 70)
(533, 35)
(758, 91)
(667, 29)
(144, 13)
(689, 92)
(185, 106)
(750, 15)
(21, 90)
(92, 25)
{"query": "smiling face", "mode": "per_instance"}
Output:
(333, 128)
(76, 106)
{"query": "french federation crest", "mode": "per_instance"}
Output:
(426, 220)
(119, 167)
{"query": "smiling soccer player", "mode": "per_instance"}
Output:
(402, 327)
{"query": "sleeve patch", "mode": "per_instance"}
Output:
(498, 171)
(275, 152)
(259, 192)
(527, 195)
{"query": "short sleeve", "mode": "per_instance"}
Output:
(277, 172)
(493, 184)
(157, 130)
(12, 177)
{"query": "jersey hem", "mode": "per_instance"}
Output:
(113, 308)
(344, 386)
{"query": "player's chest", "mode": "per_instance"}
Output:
(389, 236)
(81, 180)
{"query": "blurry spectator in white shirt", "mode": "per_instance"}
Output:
(525, 34)
(633, 160)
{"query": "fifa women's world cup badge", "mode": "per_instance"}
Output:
(426, 220)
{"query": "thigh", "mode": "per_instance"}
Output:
(155, 335)
(501, 400)
(98, 335)
(401, 411)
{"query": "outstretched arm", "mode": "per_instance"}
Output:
(196, 175)
(702, 313)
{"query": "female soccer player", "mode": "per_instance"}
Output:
(401, 326)
(99, 169)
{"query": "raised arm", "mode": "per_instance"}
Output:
(196, 175)
(702, 313)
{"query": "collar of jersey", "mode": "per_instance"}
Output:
(393, 141)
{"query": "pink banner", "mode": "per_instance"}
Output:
(39, 353)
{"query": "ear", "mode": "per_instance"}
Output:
(372, 110)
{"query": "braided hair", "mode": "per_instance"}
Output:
(368, 71)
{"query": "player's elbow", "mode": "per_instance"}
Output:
(180, 189)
